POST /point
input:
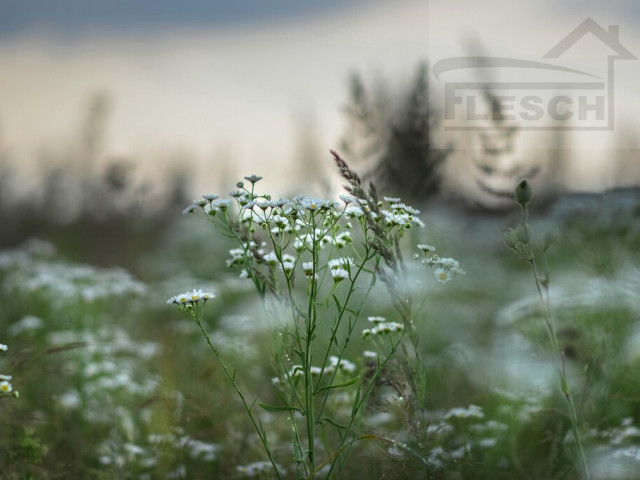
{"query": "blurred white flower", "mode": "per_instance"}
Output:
(339, 274)
(442, 275)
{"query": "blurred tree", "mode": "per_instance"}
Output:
(397, 144)
(93, 130)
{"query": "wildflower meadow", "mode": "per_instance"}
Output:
(323, 338)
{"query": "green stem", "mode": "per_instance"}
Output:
(308, 380)
(261, 433)
(543, 294)
(360, 402)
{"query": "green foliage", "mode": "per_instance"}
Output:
(314, 378)
(492, 406)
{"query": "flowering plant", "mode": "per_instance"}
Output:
(320, 259)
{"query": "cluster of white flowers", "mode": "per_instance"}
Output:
(301, 223)
(444, 268)
(64, 283)
(340, 268)
(402, 215)
(472, 411)
(192, 296)
(5, 384)
(257, 469)
(145, 454)
(381, 327)
(343, 365)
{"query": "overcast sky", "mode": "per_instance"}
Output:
(237, 82)
(69, 18)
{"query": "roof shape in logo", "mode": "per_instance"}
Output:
(610, 37)
(457, 63)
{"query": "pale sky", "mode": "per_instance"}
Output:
(233, 96)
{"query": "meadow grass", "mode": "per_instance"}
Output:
(113, 384)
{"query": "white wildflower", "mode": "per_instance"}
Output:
(263, 205)
(397, 219)
(181, 298)
(382, 327)
(377, 320)
(189, 209)
(288, 265)
(258, 469)
(339, 274)
(281, 222)
(449, 263)
(354, 211)
(343, 239)
(472, 411)
(221, 203)
(405, 208)
(312, 204)
(341, 263)
(237, 257)
(253, 178)
(442, 275)
(307, 267)
(207, 296)
(343, 364)
(211, 209)
(426, 248)
(5, 387)
(195, 295)
(270, 258)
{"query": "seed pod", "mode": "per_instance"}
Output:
(510, 238)
(523, 193)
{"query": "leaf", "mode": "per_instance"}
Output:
(337, 302)
(354, 410)
(282, 408)
(339, 385)
(332, 422)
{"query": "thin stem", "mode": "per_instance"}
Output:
(261, 433)
(543, 294)
(308, 380)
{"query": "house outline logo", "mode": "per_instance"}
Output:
(558, 104)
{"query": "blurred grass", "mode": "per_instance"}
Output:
(121, 386)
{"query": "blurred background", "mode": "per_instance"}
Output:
(115, 115)
(124, 108)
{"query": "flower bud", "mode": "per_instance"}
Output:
(510, 238)
(523, 193)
